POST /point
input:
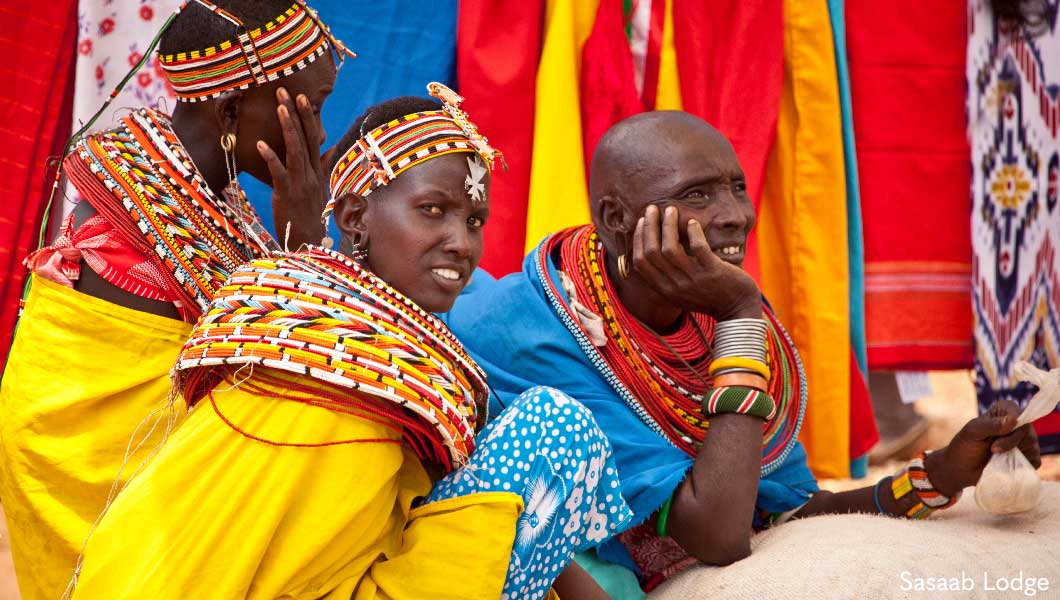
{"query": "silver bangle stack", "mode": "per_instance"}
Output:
(743, 338)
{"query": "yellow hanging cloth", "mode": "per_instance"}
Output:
(802, 232)
(559, 196)
(82, 375)
(668, 96)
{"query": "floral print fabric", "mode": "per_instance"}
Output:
(112, 36)
(546, 447)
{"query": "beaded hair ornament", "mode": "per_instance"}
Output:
(389, 150)
(288, 43)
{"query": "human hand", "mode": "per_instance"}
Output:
(960, 463)
(299, 187)
(695, 279)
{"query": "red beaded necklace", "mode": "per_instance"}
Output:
(667, 374)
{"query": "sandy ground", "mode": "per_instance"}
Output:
(952, 404)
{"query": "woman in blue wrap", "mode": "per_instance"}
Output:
(647, 318)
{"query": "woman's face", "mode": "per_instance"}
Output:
(423, 229)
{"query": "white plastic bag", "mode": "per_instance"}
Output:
(1009, 484)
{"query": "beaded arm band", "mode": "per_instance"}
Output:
(740, 400)
(914, 479)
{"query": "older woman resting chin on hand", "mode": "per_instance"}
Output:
(647, 318)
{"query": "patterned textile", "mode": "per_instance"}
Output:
(284, 45)
(319, 314)
(140, 179)
(547, 448)
(99, 244)
(112, 37)
(1014, 114)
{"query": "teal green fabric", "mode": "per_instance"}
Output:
(855, 239)
(619, 582)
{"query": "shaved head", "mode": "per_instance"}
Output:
(667, 158)
(633, 153)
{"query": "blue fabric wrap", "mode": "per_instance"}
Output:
(401, 46)
(510, 328)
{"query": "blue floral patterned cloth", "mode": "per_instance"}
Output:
(546, 447)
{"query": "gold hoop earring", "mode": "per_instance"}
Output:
(228, 143)
(623, 266)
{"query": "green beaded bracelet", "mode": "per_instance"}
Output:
(740, 400)
(664, 516)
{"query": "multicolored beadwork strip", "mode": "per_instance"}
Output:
(389, 150)
(927, 493)
(395, 147)
(901, 487)
(288, 43)
(141, 179)
(321, 315)
(744, 401)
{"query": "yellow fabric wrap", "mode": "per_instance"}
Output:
(82, 375)
(668, 94)
(218, 515)
(802, 232)
(559, 195)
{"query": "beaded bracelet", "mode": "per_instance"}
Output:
(741, 379)
(740, 400)
(914, 479)
(739, 362)
(664, 518)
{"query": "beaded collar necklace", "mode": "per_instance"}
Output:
(668, 393)
(321, 315)
(165, 209)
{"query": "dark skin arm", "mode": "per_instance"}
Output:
(711, 513)
(575, 584)
(950, 469)
(713, 508)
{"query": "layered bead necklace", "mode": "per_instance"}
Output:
(667, 374)
(372, 351)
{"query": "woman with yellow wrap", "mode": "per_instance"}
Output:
(330, 450)
(160, 225)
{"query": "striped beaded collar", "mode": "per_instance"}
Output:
(140, 178)
(662, 402)
(371, 351)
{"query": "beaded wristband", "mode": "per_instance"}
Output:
(928, 494)
(913, 479)
(739, 362)
(741, 379)
(664, 518)
(740, 400)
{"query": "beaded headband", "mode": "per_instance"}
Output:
(387, 151)
(288, 43)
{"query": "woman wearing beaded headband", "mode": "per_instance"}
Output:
(326, 401)
(162, 224)
(646, 317)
